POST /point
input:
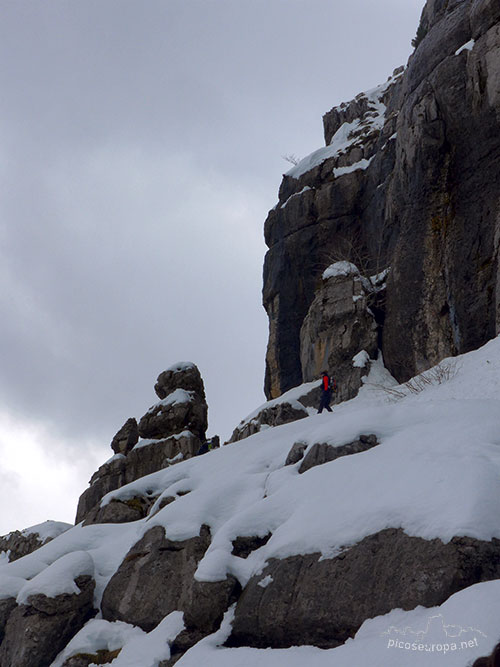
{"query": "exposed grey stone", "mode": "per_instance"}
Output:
(164, 421)
(156, 578)
(296, 453)
(324, 602)
(121, 511)
(37, 631)
(321, 453)
(126, 438)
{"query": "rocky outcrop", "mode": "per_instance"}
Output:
(157, 577)
(20, 543)
(338, 326)
(305, 600)
(408, 180)
(172, 430)
(38, 630)
(321, 453)
(275, 415)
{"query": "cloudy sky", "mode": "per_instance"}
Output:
(142, 148)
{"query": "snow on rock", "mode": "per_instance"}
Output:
(349, 134)
(361, 165)
(148, 649)
(297, 194)
(466, 47)
(47, 530)
(427, 636)
(59, 577)
(181, 366)
(98, 635)
(361, 359)
(434, 475)
(175, 398)
(340, 269)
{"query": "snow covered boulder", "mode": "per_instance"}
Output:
(39, 628)
(338, 325)
(19, 543)
(157, 578)
(303, 600)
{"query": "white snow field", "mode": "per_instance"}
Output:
(435, 474)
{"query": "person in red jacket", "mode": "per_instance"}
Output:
(328, 385)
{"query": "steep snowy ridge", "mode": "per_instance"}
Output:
(435, 474)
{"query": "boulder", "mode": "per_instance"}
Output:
(37, 631)
(181, 411)
(296, 453)
(126, 438)
(184, 375)
(274, 415)
(321, 453)
(308, 601)
(19, 544)
(157, 577)
(120, 511)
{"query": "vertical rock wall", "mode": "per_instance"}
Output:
(410, 178)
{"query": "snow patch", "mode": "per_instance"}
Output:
(468, 46)
(361, 359)
(59, 577)
(297, 194)
(340, 269)
(175, 398)
(361, 165)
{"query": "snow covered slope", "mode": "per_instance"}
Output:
(435, 474)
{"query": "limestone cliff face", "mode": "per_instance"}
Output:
(409, 179)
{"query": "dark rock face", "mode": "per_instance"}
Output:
(427, 205)
(36, 632)
(323, 603)
(243, 546)
(338, 325)
(126, 438)
(321, 453)
(156, 578)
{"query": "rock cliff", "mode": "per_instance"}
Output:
(408, 181)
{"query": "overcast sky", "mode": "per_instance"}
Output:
(142, 148)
